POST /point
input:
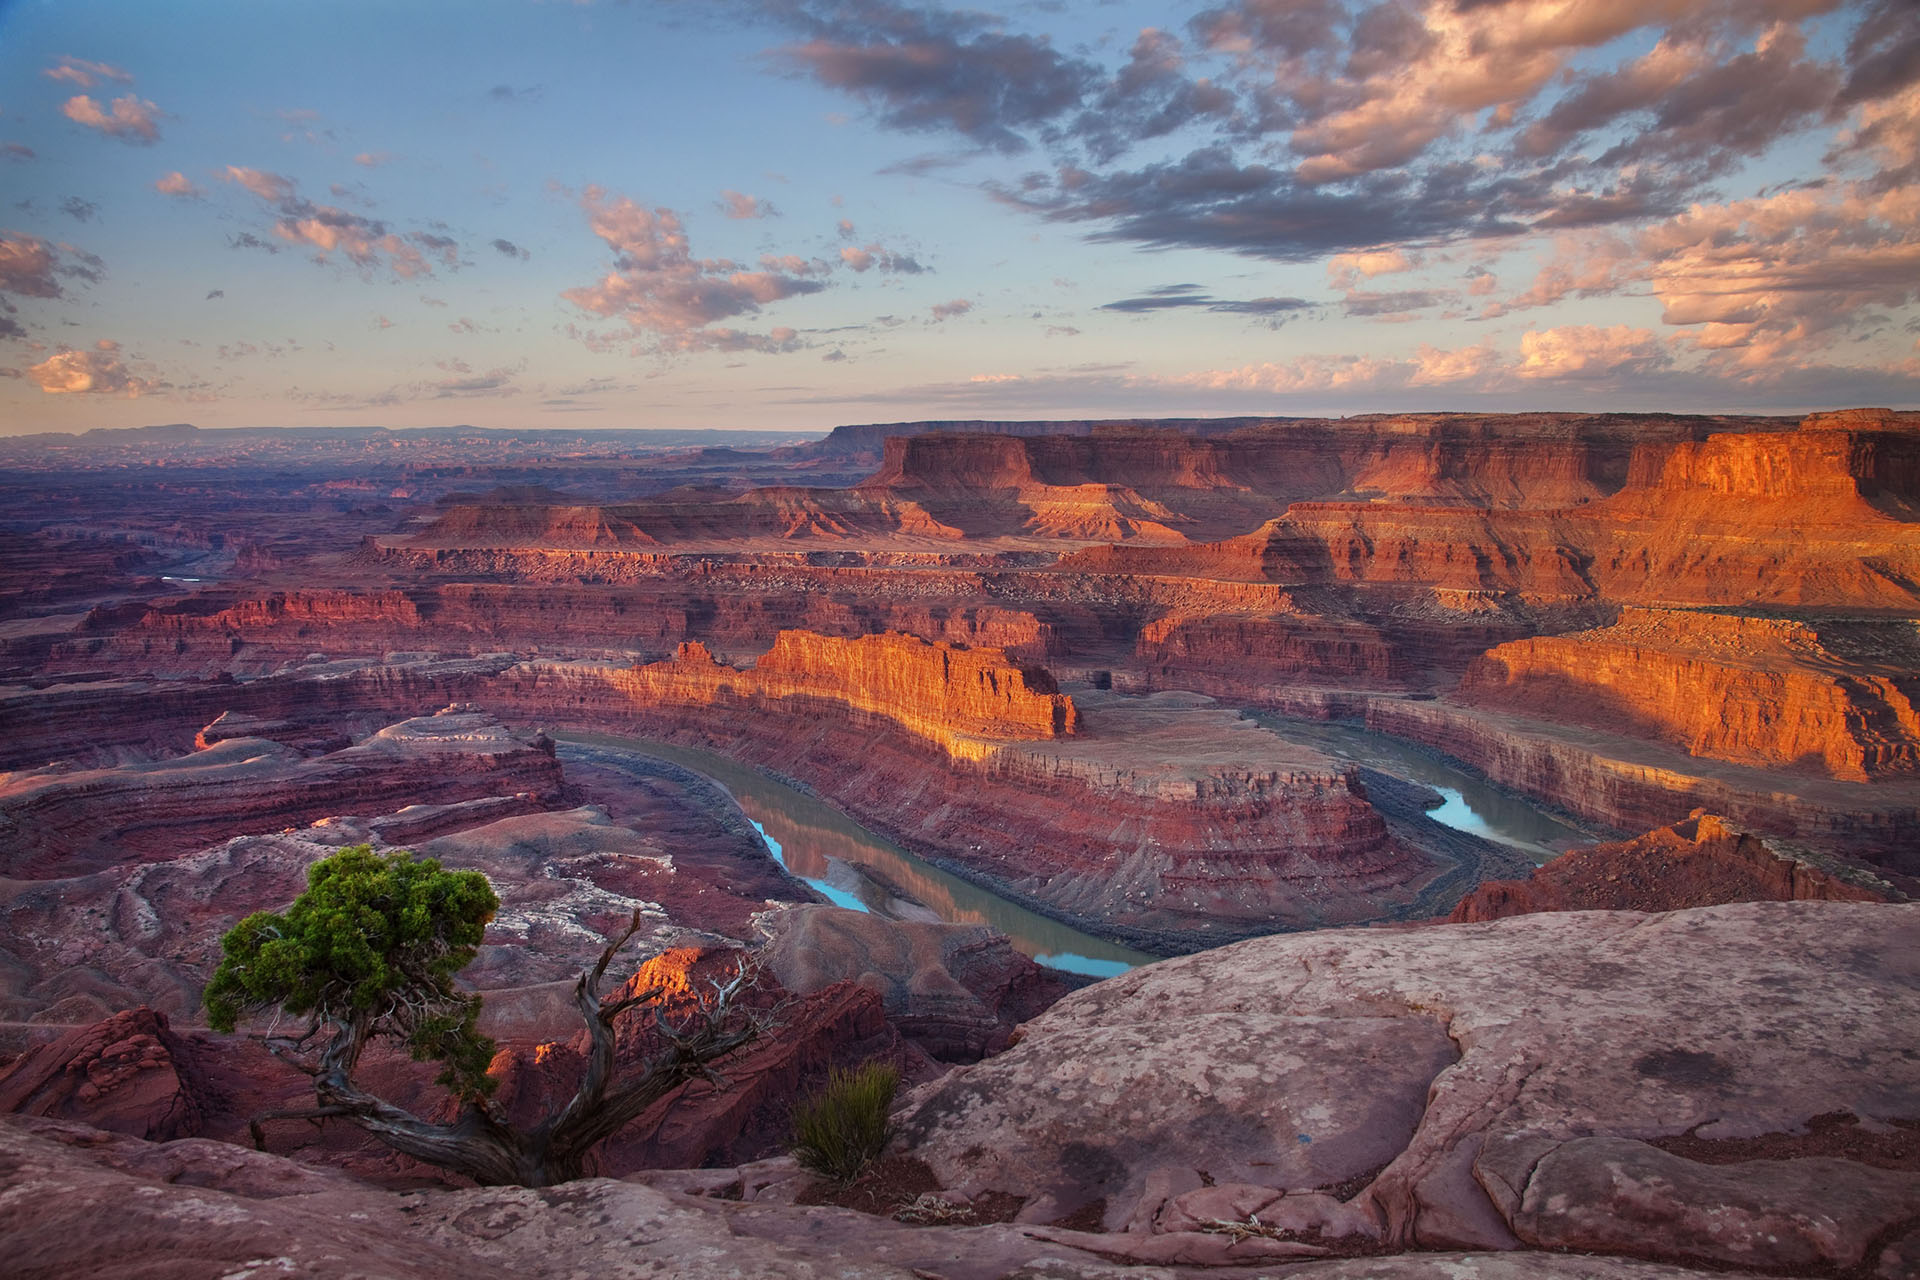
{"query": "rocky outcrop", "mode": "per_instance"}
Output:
(957, 698)
(958, 991)
(747, 1114)
(1757, 691)
(1697, 863)
(1604, 1081)
(129, 1074)
(84, 1202)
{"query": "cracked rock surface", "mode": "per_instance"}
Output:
(1482, 1086)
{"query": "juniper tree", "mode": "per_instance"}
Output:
(370, 951)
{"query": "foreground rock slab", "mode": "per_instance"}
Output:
(1733, 1085)
(76, 1201)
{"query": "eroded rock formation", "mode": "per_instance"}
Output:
(1697, 863)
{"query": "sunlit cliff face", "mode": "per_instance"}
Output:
(911, 208)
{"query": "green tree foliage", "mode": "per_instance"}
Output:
(845, 1126)
(375, 940)
(371, 950)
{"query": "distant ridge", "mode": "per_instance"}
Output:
(186, 433)
(859, 439)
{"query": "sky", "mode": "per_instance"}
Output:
(797, 213)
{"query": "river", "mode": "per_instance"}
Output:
(1470, 802)
(853, 867)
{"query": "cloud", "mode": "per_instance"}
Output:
(272, 187)
(1172, 296)
(1434, 366)
(660, 289)
(1151, 97)
(99, 371)
(130, 119)
(925, 68)
(16, 151)
(869, 257)
(327, 229)
(1586, 351)
(215, 293)
(1788, 271)
(1398, 305)
(178, 184)
(739, 205)
(1311, 128)
(31, 268)
(508, 94)
(1347, 269)
(79, 210)
(508, 248)
(949, 310)
(373, 159)
(86, 74)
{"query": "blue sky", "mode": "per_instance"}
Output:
(794, 213)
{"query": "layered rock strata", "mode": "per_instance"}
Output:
(64, 822)
(961, 699)
(1757, 691)
(1631, 784)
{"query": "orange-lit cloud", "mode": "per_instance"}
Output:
(130, 119)
(1588, 351)
(659, 288)
(99, 371)
(86, 74)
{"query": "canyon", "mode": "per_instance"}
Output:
(1073, 667)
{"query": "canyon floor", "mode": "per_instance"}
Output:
(1304, 703)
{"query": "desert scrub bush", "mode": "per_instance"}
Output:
(844, 1126)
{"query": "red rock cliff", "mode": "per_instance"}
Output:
(936, 691)
(1757, 691)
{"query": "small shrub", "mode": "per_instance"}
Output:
(844, 1126)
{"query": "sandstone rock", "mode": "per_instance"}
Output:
(957, 991)
(1632, 784)
(1082, 1109)
(80, 1202)
(1758, 691)
(1581, 1038)
(1696, 863)
(1615, 1195)
(946, 695)
(129, 1074)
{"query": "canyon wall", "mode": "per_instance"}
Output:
(1633, 785)
(962, 699)
(1757, 691)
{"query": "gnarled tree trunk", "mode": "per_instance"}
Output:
(481, 1145)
